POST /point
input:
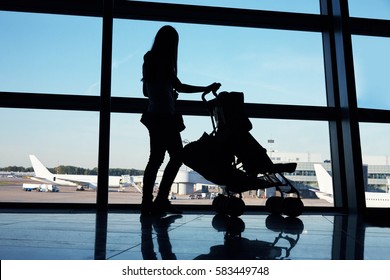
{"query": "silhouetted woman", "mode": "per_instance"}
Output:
(160, 85)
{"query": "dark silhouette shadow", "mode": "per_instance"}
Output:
(236, 247)
(159, 225)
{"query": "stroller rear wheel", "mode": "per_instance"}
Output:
(274, 205)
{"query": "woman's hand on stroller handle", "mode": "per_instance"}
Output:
(211, 88)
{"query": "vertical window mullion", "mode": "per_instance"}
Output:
(351, 149)
(332, 91)
(105, 107)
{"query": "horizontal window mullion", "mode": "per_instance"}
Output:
(218, 16)
(49, 101)
(63, 7)
(373, 115)
(198, 108)
(370, 27)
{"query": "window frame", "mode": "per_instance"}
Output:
(342, 112)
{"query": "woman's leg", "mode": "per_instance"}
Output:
(175, 150)
(156, 158)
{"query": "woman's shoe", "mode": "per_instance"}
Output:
(161, 207)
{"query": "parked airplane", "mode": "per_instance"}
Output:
(42, 174)
(325, 184)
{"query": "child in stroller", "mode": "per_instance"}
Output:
(232, 157)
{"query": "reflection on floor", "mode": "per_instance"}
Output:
(127, 236)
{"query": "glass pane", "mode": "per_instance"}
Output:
(372, 62)
(292, 141)
(42, 53)
(129, 152)
(376, 152)
(64, 142)
(301, 6)
(269, 66)
(377, 9)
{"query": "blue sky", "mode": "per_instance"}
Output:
(58, 54)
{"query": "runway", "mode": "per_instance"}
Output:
(11, 191)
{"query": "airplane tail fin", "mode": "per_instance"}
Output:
(39, 169)
(324, 179)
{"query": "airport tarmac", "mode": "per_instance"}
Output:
(11, 191)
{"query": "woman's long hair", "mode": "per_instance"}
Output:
(161, 60)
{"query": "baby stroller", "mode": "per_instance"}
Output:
(231, 156)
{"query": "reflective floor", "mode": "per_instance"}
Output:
(128, 236)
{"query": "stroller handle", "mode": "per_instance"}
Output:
(207, 92)
(209, 108)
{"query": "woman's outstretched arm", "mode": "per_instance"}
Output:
(180, 87)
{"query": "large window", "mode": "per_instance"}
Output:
(268, 66)
(272, 51)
